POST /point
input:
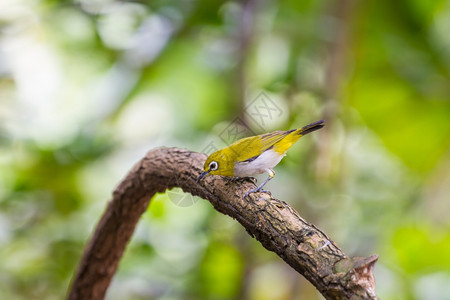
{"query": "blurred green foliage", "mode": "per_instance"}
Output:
(87, 87)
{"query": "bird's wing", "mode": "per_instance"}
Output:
(268, 140)
(255, 147)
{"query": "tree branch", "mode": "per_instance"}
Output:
(274, 223)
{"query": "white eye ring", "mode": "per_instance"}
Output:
(213, 166)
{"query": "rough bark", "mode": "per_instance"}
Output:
(274, 223)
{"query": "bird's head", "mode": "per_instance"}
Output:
(218, 163)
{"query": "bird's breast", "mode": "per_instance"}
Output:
(267, 160)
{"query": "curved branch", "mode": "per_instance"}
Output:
(274, 223)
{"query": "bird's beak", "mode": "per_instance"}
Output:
(203, 175)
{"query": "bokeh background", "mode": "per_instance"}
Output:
(88, 87)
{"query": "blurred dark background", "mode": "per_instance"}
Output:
(88, 87)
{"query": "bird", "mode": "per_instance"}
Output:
(255, 155)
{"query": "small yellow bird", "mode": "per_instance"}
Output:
(255, 155)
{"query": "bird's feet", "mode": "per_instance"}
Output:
(256, 191)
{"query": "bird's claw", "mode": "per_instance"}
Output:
(253, 179)
(256, 191)
(326, 243)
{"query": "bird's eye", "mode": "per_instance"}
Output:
(213, 166)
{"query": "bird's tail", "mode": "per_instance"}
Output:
(311, 127)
